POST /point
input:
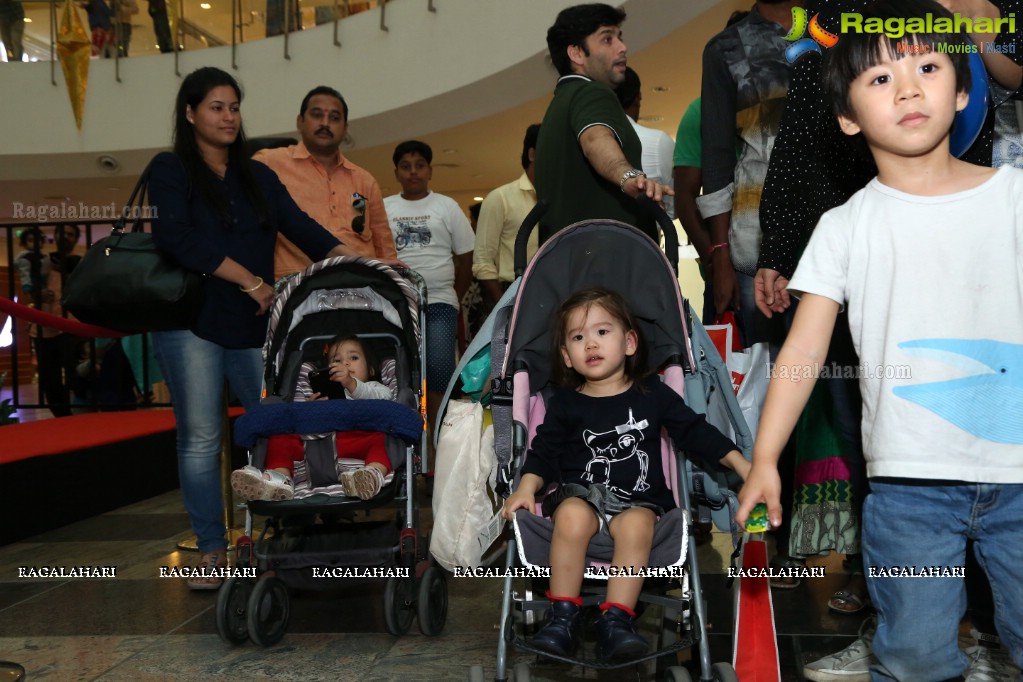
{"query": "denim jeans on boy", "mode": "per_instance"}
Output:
(922, 524)
(195, 370)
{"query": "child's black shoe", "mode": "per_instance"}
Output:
(560, 634)
(616, 636)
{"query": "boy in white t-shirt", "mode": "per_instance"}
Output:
(433, 236)
(937, 321)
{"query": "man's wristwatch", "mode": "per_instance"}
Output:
(629, 175)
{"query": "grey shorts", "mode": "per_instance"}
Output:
(605, 504)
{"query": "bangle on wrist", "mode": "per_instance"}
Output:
(715, 247)
(259, 283)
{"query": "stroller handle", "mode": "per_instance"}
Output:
(651, 207)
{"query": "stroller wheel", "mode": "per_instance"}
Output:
(677, 673)
(476, 673)
(269, 611)
(432, 604)
(398, 607)
(723, 672)
(521, 672)
(232, 602)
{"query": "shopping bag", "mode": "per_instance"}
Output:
(749, 370)
(725, 334)
(466, 510)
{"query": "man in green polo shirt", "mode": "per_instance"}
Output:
(588, 156)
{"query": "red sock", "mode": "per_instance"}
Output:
(608, 604)
(578, 601)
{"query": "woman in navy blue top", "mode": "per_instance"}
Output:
(218, 213)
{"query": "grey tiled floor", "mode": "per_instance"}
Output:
(139, 627)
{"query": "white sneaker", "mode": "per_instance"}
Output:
(364, 482)
(989, 664)
(249, 483)
(851, 664)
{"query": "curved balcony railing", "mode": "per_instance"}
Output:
(189, 24)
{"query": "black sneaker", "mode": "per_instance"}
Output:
(616, 636)
(560, 634)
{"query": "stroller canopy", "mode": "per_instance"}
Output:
(346, 283)
(607, 254)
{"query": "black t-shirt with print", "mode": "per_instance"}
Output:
(615, 441)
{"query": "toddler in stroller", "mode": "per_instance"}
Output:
(350, 366)
(600, 423)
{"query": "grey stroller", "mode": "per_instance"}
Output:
(619, 257)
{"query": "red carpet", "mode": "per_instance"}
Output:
(57, 471)
(81, 432)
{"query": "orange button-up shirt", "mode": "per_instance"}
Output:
(327, 196)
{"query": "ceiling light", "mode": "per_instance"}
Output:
(477, 198)
(28, 20)
(205, 5)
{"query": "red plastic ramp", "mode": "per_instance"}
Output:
(755, 648)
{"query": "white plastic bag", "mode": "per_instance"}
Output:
(464, 502)
(750, 373)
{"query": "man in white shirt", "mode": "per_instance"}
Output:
(502, 213)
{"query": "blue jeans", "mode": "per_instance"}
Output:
(745, 316)
(195, 370)
(928, 525)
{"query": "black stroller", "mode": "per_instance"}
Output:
(383, 307)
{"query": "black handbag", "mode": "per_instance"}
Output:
(125, 283)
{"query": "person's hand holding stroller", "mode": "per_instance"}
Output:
(524, 496)
(263, 294)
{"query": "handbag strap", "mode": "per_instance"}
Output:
(140, 191)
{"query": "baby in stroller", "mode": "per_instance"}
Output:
(600, 423)
(350, 368)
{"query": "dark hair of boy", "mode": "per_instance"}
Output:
(618, 309)
(412, 147)
(854, 53)
(572, 27)
(35, 233)
(532, 133)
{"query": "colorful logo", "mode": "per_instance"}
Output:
(818, 36)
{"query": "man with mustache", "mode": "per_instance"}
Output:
(588, 157)
(335, 192)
